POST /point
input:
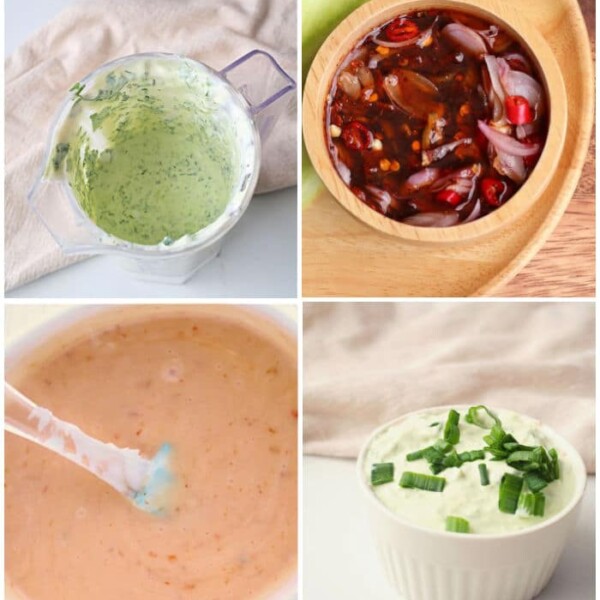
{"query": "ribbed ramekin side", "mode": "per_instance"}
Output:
(414, 579)
(430, 565)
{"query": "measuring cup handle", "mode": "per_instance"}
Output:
(264, 84)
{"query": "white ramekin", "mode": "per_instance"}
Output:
(55, 324)
(424, 564)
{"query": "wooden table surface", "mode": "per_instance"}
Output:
(566, 265)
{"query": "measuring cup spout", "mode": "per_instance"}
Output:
(265, 86)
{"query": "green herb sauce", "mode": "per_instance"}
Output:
(151, 150)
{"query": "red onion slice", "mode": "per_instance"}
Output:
(499, 96)
(517, 62)
(506, 143)
(526, 130)
(365, 77)
(489, 35)
(387, 44)
(464, 173)
(465, 38)
(491, 63)
(383, 197)
(511, 166)
(344, 172)
(350, 85)
(475, 213)
(422, 178)
(433, 219)
(461, 186)
(517, 83)
(411, 92)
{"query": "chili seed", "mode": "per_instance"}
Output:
(335, 131)
(384, 164)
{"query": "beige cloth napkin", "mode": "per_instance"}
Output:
(93, 32)
(365, 364)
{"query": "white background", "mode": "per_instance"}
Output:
(258, 259)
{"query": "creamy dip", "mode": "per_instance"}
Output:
(218, 384)
(153, 148)
(463, 495)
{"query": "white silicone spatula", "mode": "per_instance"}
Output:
(144, 481)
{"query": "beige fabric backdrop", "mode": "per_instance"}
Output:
(93, 32)
(365, 364)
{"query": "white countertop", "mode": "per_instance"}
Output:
(339, 556)
(258, 259)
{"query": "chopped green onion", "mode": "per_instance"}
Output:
(382, 473)
(510, 490)
(520, 459)
(451, 430)
(471, 455)
(435, 424)
(421, 481)
(497, 454)
(452, 460)
(457, 525)
(432, 454)
(77, 88)
(509, 440)
(417, 455)
(443, 446)
(499, 443)
(534, 481)
(483, 474)
(555, 466)
(514, 446)
(531, 504)
(474, 418)
(495, 437)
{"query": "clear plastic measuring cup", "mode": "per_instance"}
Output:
(247, 98)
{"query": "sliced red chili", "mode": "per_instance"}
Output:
(493, 190)
(534, 138)
(449, 197)
(518, 110)
(356, 136)
(401, 29)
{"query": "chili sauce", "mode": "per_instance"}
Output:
(436, 118)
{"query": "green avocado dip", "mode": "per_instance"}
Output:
(152, 148)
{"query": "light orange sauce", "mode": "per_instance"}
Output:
(219, 384)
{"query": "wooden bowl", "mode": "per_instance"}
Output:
(345, 37)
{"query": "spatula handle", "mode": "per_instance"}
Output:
(122, 468)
